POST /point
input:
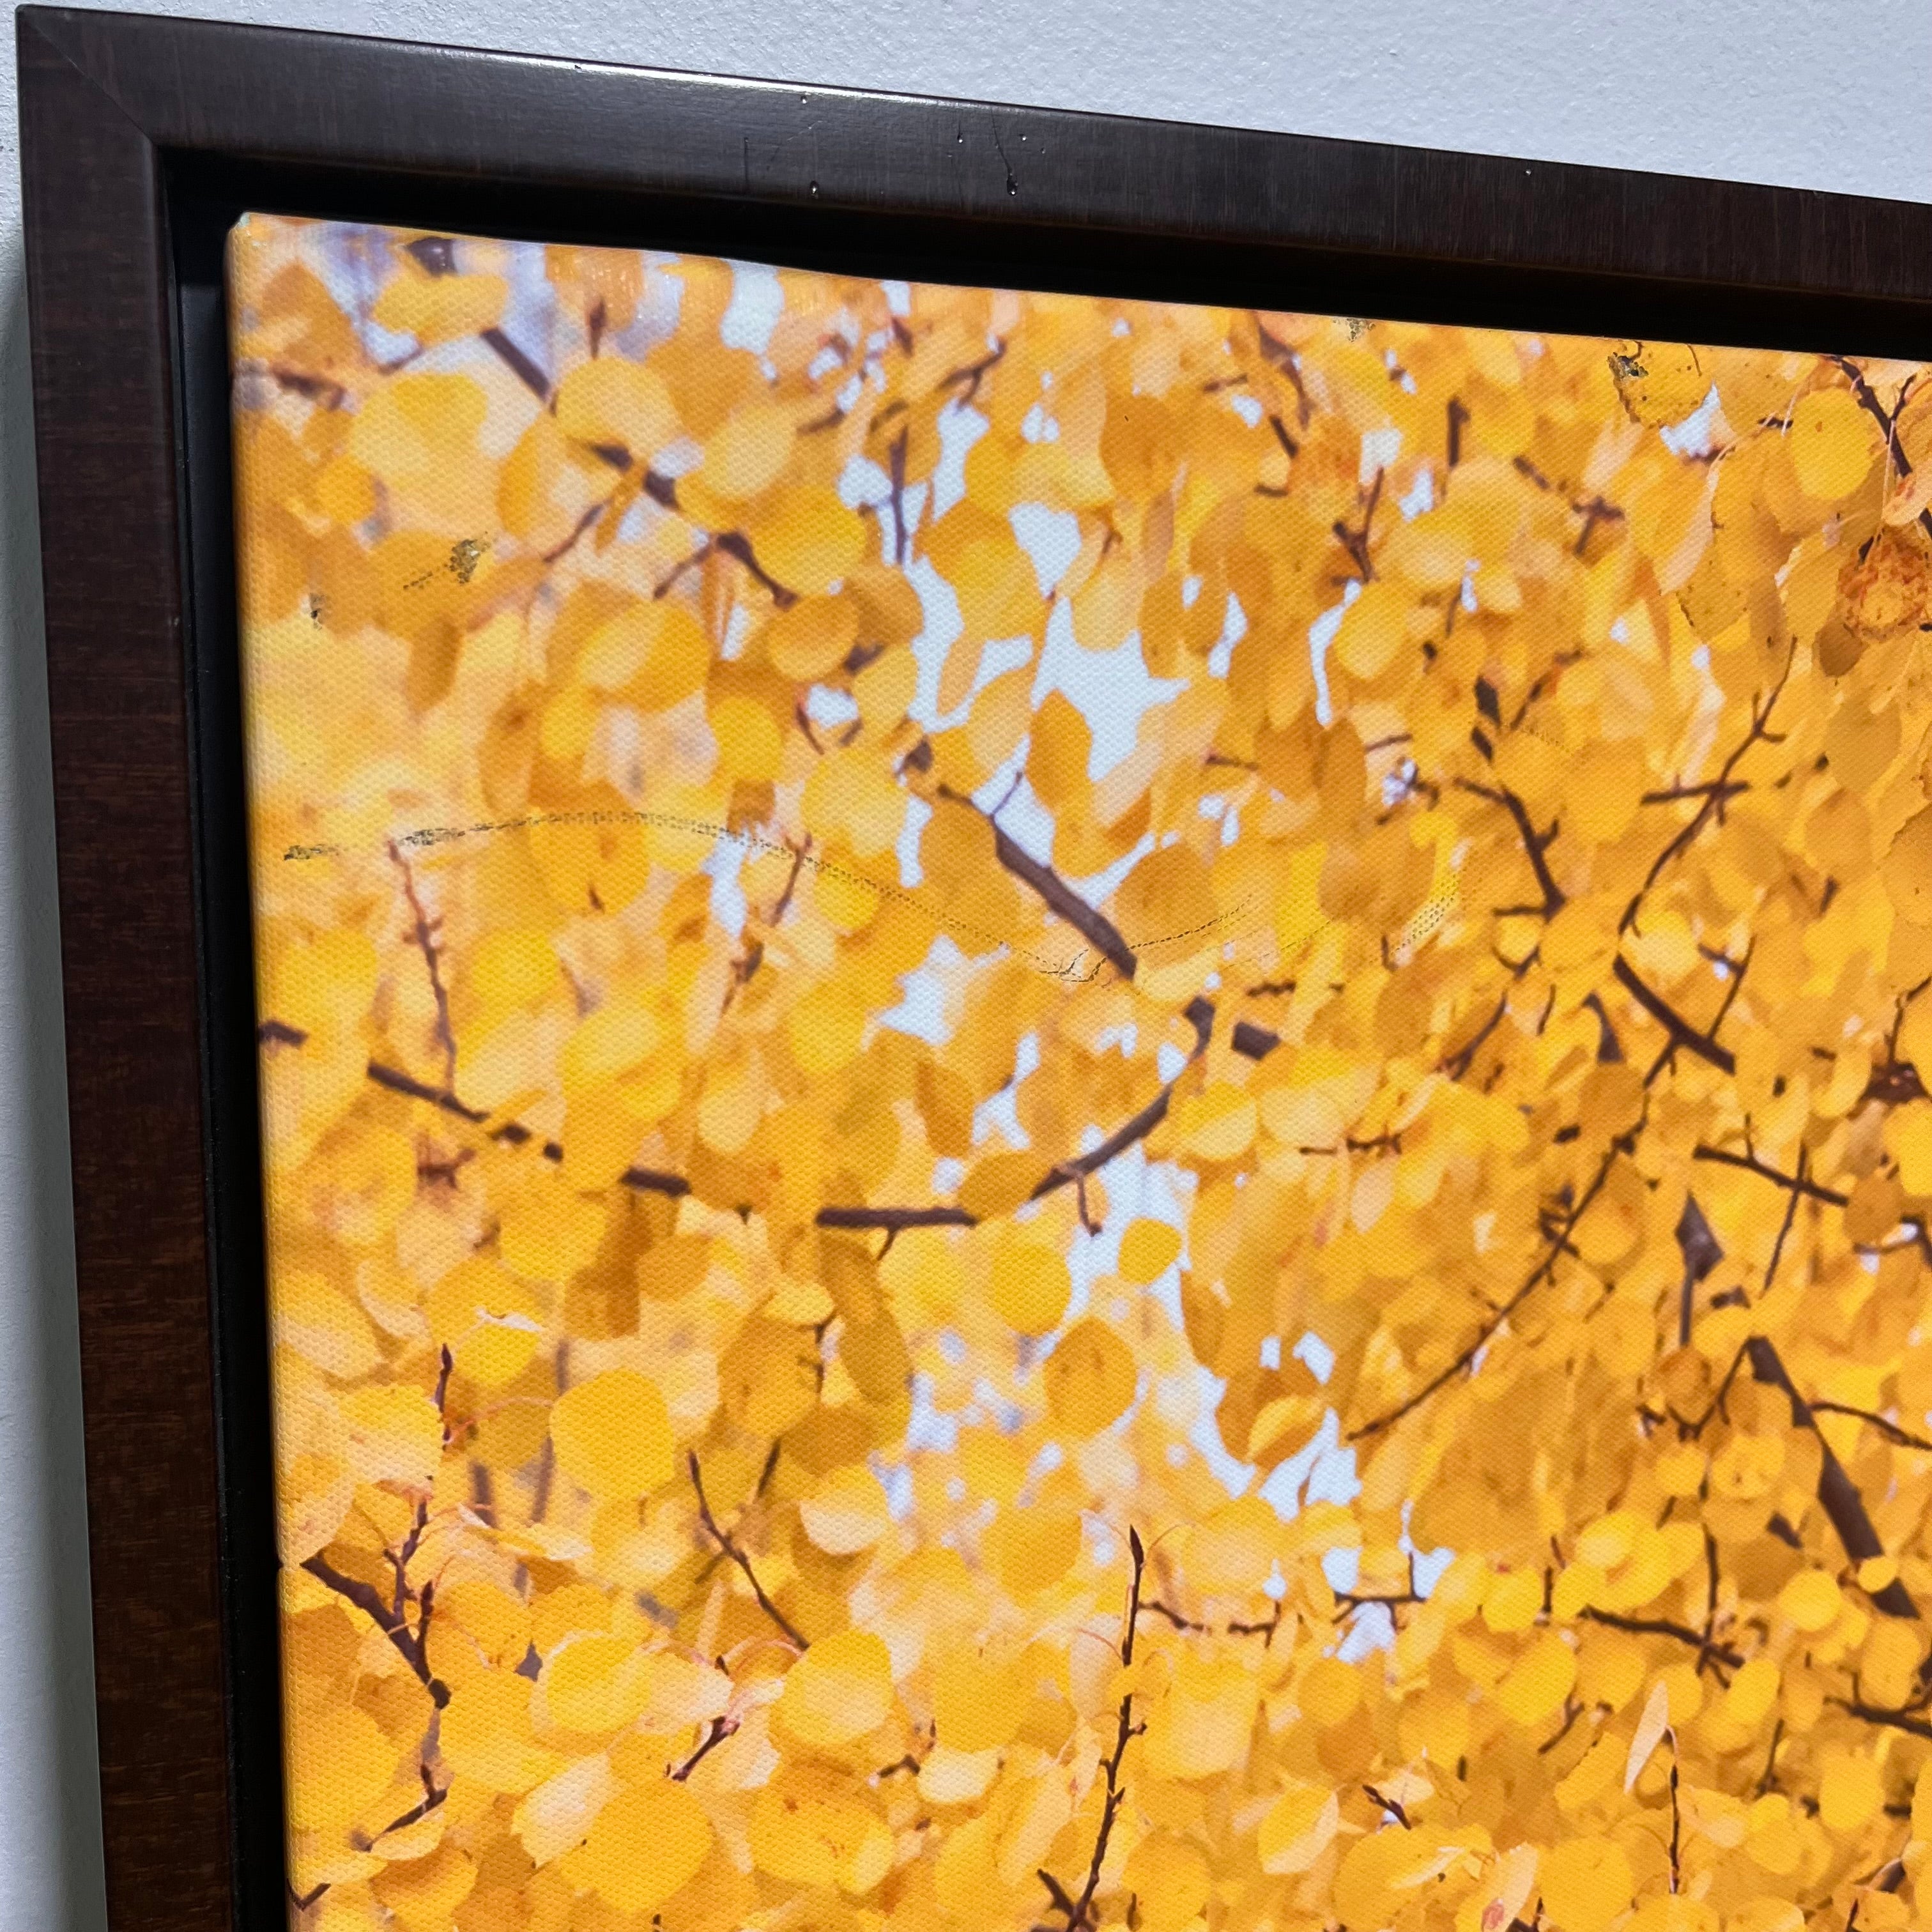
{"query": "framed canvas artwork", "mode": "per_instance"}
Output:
(998, 1082)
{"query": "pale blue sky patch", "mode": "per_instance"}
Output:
(911, 872)
(1023, 818)
(827, 705)
(1316, 1355)
(1233, 1474)
(757, 300)
(862, 484)
(1050, 537)
(960, 427)
(1380, 448)
(929, 1426)
(1692, 437)
(921, 1009)
(1112, 690)
(1321, 635)
(1233, 629)
(721, 865)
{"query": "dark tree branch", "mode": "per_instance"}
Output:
(1702, 1252)
(1750, 1164)
(1535, 844)
(1060, 898)
(1902, 1438)
(519, 364)
(1887, 420)
(1682, 1032)
(1714, 800)
(1356, 542)
(1556, 1242)
(1796, 1193)
(1252, 1041)
(424, 933)
(895, 1220)
(1458, 1063)
(1896, 1721)
(512, 1133)
(1078, 1912)
(1662, 1626)
(1278, 355)
(410, 1645)
(715, 1733)
(730, 1549)
(1836, 1492)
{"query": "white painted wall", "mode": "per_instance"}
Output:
(1786, 90)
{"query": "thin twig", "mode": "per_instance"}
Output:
(410, 1645)
(424, 935)
(1078, 1911)
(737, 1555)
(1535, 844)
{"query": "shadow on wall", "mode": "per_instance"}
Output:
(50, 1850)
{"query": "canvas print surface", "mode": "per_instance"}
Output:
(1082, 1115)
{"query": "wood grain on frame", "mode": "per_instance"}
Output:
(123, 115)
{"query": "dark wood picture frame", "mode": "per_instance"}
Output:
(142, 138)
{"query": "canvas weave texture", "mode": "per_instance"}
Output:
(1079, 1114)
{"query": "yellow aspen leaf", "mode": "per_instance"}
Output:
(395, 1435)
(612, 1434)
(749, 451)
(318, 1322)
(424, 1893)
(1373, 631)
(1171, 1879)
(618, 403)
(1202, 1726)
(1148, 1249)
(1908, 1138)
(1030, 1285)
(1586, 1884)
(1500, 1896)
(1365, 1884)
(1752, 1693)
(339, 1761)
(815, 1837)
(614, 1862)
(1534, 1687)
(1850, 1793)
(1031, 1549)
(1233, 1550)
(848, 1512)
(1090, 1378)
(1218, 1124)
(490, 1321)
(1674, 1913)
(1297, 1828)
(1812, 1601)
(593, 1683)
(1833, 443)
(485, 1733)
(1513, 1601)
(977, 1701)
(770, 1376)
(1650, 1730)
(840, 1690)
(441, 308)
(1660, 382)
(807, 538)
